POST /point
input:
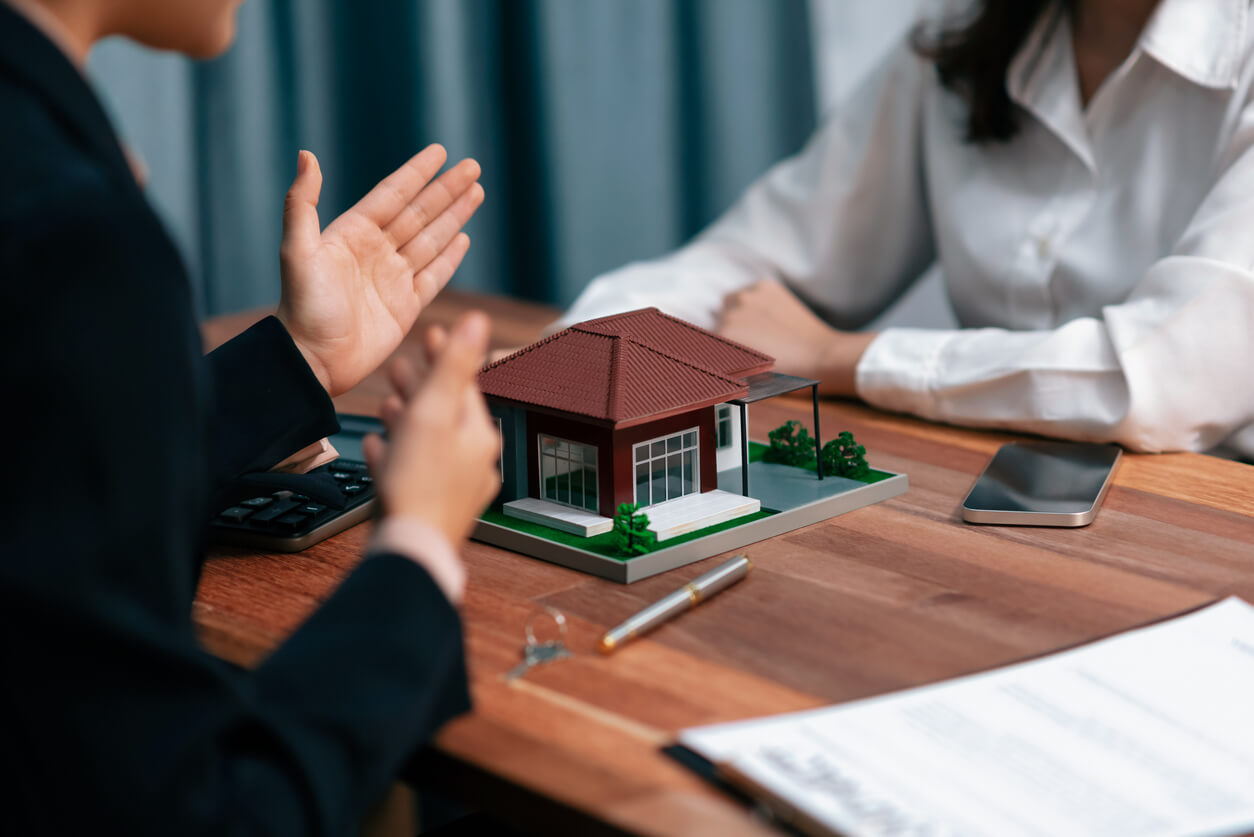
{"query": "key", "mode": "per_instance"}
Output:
(291, 522)
(529, 659)
(235, 513)
(274, 510)
(534, 655)
(551, 652)
(538, 653)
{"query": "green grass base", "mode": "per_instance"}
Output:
(605, 544)
(757, 451)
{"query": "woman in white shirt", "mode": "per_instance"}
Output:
(1083, 171)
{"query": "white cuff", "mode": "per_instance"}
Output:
(899, 370)
(426, 546)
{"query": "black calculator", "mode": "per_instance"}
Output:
(289, 512)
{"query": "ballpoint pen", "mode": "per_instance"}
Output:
(690, 595)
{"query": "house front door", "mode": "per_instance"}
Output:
(726, 437)
(568, 473)
(667, 467)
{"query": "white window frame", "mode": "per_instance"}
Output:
(723, 414)
(583, 464)
(650, 457)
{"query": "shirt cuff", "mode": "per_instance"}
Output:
(899, 370)
(426, 546)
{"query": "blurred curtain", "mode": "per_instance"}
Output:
(608, 130)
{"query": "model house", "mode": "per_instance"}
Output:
(630, 408)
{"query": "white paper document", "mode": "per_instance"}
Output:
(1150, 732)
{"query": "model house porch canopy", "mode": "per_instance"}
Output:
(768, 385)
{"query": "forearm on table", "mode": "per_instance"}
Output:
(837, 368)
(1154, 373)
(1065, 382)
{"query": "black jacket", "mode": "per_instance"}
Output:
(116, 431)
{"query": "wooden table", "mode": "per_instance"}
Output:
(888, 597)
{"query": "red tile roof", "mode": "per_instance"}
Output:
(681, 340)
(625, 369)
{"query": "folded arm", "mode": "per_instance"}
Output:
(1165, 369)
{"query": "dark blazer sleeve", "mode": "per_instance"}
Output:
(266, 402)
(107, 697)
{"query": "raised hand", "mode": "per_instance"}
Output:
(351, 292)
(439, 465)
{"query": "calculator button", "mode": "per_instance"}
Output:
(341, 476)
(257, 502)
(274, 511)
(299, 498)
(235, 513)
(365, 479)
(353, 490)
(312, 509)
(291, 521)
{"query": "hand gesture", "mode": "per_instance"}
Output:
(351, 292)
(440, 463)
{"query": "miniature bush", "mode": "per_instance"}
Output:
(791, 444)
(631, 531)
(844, 457)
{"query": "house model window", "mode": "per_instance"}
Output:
(723, 436)
(667, 468)
(568, 473)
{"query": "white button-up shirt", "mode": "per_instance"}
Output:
(1100, 263)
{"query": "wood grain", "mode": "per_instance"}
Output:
(888, 597)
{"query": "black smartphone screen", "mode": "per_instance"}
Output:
(1042, 484)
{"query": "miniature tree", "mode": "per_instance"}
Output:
(631, 530)
(844, 457)
(791, 444)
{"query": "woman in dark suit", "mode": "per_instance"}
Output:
(119, 431)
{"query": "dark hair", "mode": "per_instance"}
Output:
(972, 56)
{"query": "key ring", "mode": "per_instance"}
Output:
(558, 618)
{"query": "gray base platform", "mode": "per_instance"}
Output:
(799, 497)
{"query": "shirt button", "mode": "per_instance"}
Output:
(1043, 247)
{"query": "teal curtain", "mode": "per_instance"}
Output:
(608, 130)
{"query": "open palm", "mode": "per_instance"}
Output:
(351, 292)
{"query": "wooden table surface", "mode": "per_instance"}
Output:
(896, 595)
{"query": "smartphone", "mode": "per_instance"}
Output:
(290, 512)
(1042, 484)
